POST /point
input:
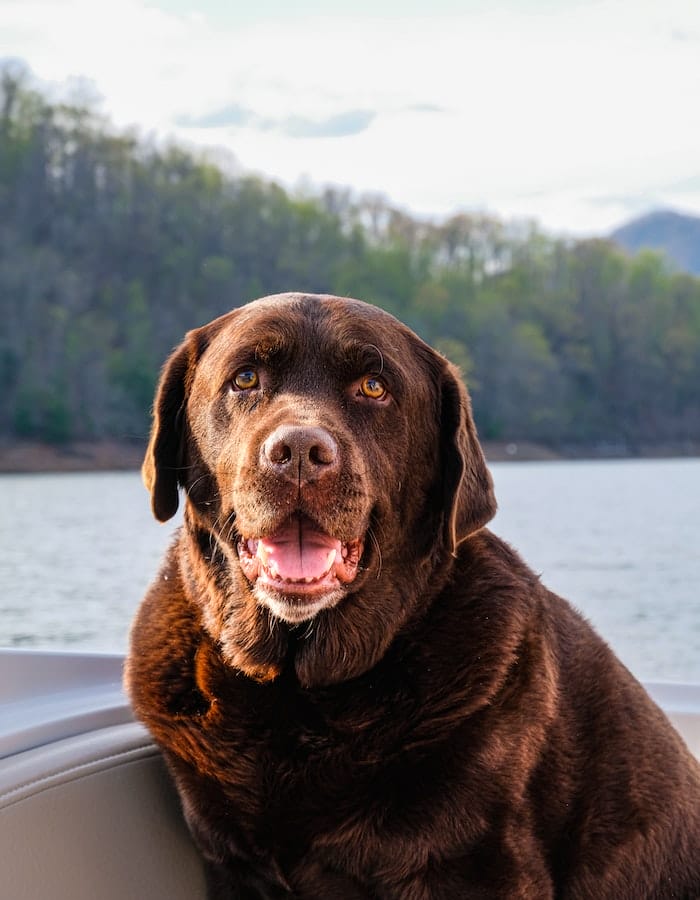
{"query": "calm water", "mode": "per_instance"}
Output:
(621, 540)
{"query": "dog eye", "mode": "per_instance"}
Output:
(245, 380)
(372, 388)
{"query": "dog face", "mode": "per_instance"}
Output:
(330, 465)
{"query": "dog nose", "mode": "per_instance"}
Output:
(300, 452)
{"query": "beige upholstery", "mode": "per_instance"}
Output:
(94, 817)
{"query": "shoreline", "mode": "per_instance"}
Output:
(81, 456)
(103, 456)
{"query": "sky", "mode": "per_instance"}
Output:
(579, 114)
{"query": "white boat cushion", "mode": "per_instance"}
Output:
(94, 817)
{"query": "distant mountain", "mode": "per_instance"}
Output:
(677, 235)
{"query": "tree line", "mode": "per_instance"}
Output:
(112, 247)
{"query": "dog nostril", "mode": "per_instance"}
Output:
(323, 454)
(278, 452)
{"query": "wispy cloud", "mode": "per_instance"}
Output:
(426, 108)
(685, 36)
(342, 124)
(229, 116)
(689, 185)
(652, 195)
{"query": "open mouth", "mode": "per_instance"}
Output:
(299, 569)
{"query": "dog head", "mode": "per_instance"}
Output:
(331, 468)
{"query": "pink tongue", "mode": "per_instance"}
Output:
(299, 551)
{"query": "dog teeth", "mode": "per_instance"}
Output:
(273, 573)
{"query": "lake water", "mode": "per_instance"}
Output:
(621, 540)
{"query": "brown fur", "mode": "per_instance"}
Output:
(449, 728)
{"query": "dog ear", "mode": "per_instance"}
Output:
(468, 496)
(162, 466)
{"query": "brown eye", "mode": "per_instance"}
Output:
(372, 388)
(246, 380)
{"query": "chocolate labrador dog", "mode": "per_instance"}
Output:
(360, 691)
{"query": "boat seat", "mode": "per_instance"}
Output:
(94, 817)
(87, 809)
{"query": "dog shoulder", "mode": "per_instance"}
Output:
(166, 635)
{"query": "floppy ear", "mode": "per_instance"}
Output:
(165, 453)
(468, 497)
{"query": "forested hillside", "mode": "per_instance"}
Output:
(111, 248)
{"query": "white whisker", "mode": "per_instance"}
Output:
(375, 542)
